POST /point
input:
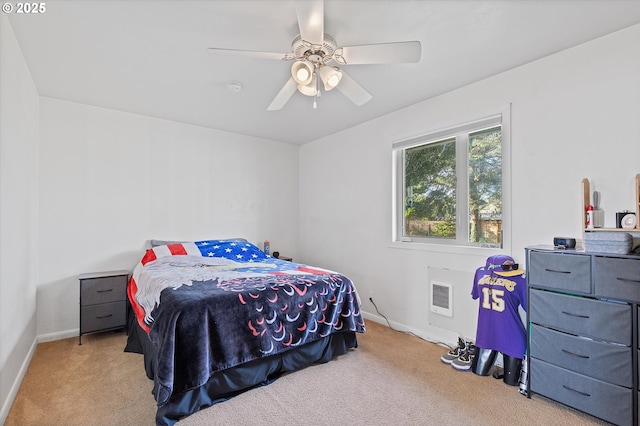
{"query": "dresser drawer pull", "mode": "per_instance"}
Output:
(576, 391)
(557, 271)
(575, 315)
(104, 316)
(575, 354)
(628, 280)
(104, 291)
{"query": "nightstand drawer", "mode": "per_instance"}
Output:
(102, 317)
(607, 362)
(609, 402)
(560, 271)
(103, 290)
(606, 321)
(617, 278)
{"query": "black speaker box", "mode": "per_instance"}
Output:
(564, 242)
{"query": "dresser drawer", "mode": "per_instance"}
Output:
(607, 362)
(560, 271)
(102, 317)
(606, 321)
(617, 278)
(609, 402)
(103, 290)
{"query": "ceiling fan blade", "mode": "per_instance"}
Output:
(284, 95)
(248, 53)
(311, 20)
(383, 53)
(352, 90)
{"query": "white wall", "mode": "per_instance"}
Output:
(110, 181)
(575, 114)
(18, 215)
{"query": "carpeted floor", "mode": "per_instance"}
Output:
(390, 379)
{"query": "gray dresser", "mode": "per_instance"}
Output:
(102, 301)
(583, 331)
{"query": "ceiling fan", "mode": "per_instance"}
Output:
(316, 57)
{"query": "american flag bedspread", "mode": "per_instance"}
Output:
(211, 305)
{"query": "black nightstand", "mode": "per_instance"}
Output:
(277, 256)
(102, 301)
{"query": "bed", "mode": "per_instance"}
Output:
(218, 317)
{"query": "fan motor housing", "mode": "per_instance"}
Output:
(317, 54)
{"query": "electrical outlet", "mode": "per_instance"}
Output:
(372, 295)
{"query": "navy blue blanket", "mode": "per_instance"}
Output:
(245, 312)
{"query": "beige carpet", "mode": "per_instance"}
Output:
(391, 379)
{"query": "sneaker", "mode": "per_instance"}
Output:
(454, 353)
(464, 361)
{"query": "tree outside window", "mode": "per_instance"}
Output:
(455, 178)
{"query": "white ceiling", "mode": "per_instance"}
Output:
(151, 58)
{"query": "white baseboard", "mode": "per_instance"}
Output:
(59, 335)
(431, 334)
(6, 406)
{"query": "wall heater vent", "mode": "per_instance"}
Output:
(442, 298)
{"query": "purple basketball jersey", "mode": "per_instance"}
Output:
(499, 325)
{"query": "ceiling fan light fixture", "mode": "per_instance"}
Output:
(309, 89)
(302, 72)
(330, 76)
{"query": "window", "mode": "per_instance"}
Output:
(450, 185)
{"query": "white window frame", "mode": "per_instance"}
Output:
(488, 119)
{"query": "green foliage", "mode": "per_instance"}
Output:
(445, 229)
(430, 175)
(430, 179)
(485, 181)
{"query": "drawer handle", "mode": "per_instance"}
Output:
(104, 316)
(575, 315)
(576, 391)
(628, 280)
(104, 291)
(575, 354)
(557, 271)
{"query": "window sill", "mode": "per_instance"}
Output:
(445, 248)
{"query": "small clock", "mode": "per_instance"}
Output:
(628, 221)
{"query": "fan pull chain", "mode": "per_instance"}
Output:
(317, 93)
